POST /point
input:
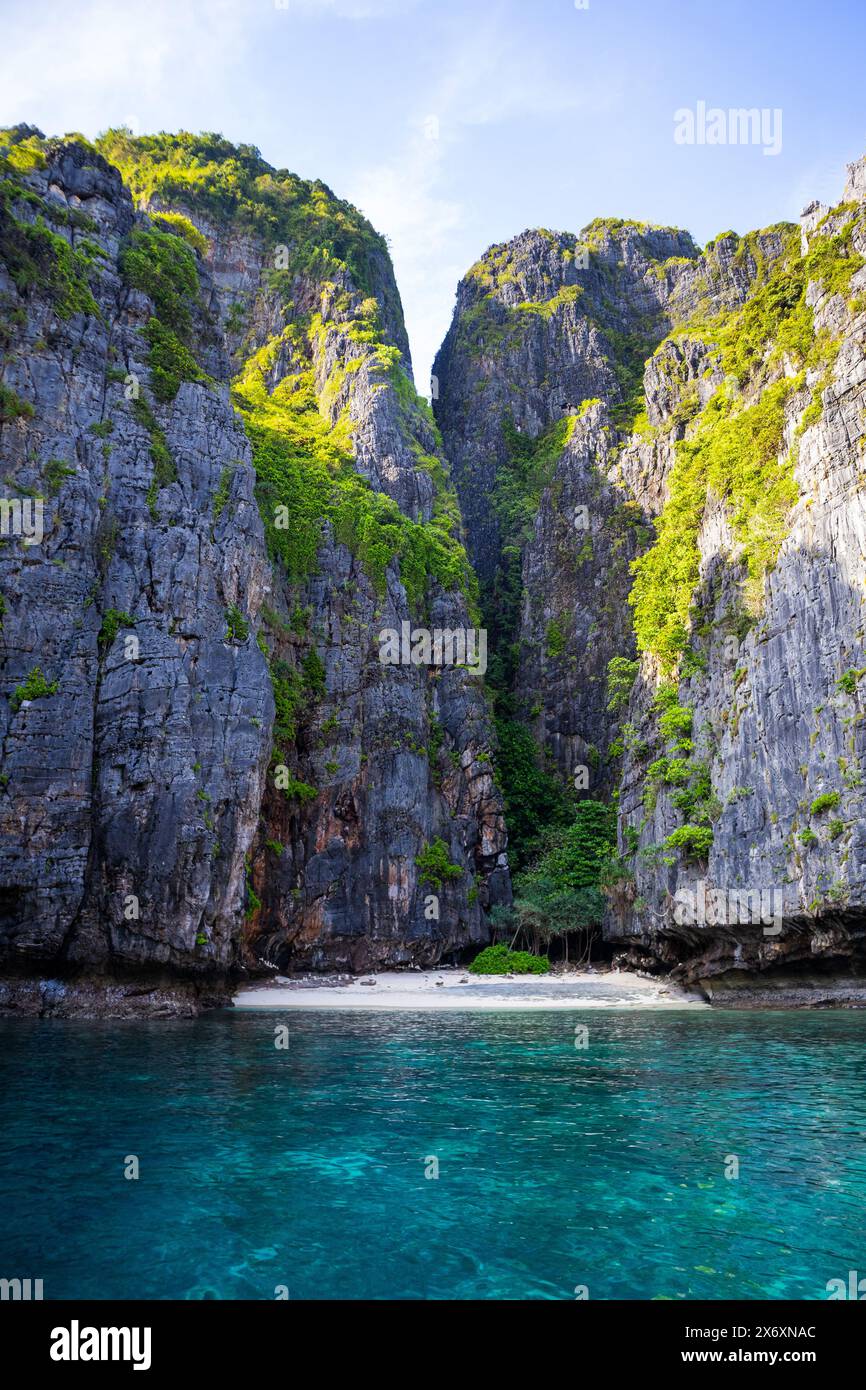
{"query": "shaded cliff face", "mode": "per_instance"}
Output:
(135, 736)
(705, 532)
(744, 759)
(542, 363)
(205, 762)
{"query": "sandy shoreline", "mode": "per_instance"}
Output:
(456, 989)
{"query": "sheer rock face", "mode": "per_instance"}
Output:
(576, 578)
(148, 853)
(553, 328)
(783, 885)
(106, 859)
(855, 186)
(342, 888)
(771, 721)
(138, 794)
(400, 754)
(529, 340)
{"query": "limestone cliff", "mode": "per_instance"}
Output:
(222, 500)
(206, 395)
(662, 451)
(544, 356)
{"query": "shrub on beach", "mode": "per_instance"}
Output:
(499, 960)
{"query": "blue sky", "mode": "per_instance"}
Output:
(454, 124)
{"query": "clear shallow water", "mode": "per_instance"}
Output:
(558, 1167)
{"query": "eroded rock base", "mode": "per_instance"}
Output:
(103, 998)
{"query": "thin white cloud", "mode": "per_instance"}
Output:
(403, 199)
(157, 64)
(68, 65)
(490, 79)
(348, 9)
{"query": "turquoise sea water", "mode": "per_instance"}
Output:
(558, 1166)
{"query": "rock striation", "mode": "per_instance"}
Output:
(245, 571)
(662, 451)
(205, 763)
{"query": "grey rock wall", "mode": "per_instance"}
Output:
(775, 726)
(771, 721)
(106, 859)
(137, 796)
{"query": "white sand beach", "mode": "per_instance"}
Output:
(457, 989)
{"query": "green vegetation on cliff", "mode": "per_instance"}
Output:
(307, 477)
(534, 798)
(163, 266)
(435, 864)
(734, 456)
(735, 453)
(34, 687)
(227, 182)
(527, 470)
(12, 407)
(182, 226)
(170, 362)
(36, 257)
